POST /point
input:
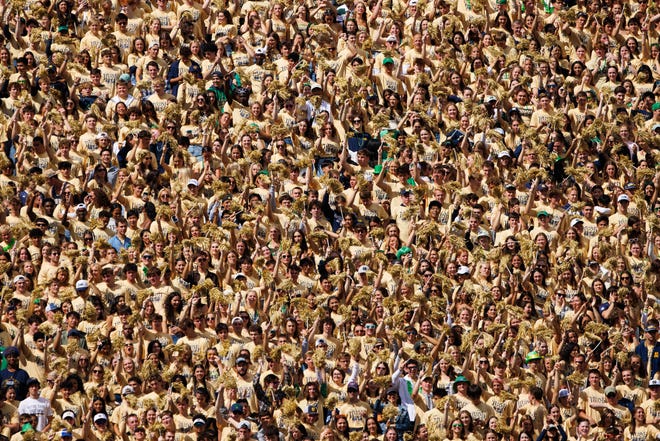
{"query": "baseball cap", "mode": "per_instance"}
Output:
(82, 285)
(532, 356)
(503, 154)
(199, 421)
(100, 417)
(542, 213)
(125, 78)
(81, 207)
(623, 197)
(321, 341)
(403, 251)
(352, 386)
(260, 51)
(490, 99)
(388, 60)
(654, 382)
(655, 106)
(236, 320)
(463, 270)
(75, 333)
(52, 307)
(364, 269)
(240, 360)
(68, 414)
(244, 425)
(19, 278)
(391, 39)
(194, 182)
(563, 393)
(154, 44)
(103, 135)
(127, 390)
(316, 86)
(576, 221)
(461, 379)
(610, 390)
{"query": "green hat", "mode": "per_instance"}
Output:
(402, 251)
(263, 172)
(655, 106)
(501, 2)
(532, 356)
(460, 379)
(388, 60)
(26, 427)
(542, 213)
(62, 28)
(378, 168)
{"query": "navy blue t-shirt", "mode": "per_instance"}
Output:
(18, 379)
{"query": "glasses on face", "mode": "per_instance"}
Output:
(97, 371)
(457, 425)
(147, 257)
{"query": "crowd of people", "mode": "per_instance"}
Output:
(380, 220)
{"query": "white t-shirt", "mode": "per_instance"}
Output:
(36, 406)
